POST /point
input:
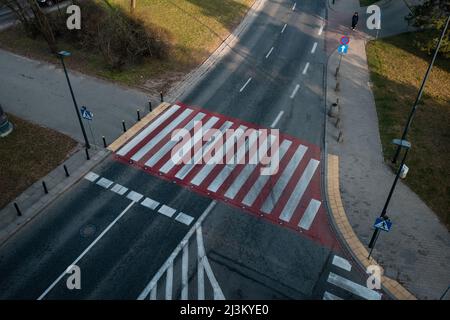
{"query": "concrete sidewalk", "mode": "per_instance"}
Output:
(416, 252)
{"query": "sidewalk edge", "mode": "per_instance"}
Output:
(349, 237)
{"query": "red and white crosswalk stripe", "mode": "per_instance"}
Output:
(291, 196)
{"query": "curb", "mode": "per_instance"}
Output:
(349, 237)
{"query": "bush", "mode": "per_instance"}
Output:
(119, 37)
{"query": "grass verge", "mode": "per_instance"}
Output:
(27, 154)
(196, 28)
(397, 69)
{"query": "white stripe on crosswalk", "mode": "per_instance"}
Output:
(91, 176)
(342, 263)
(184, 218)
(206, 170)
(353, 287)
(164, 132)
(329, 296)
(134, 142)
(171, 143)
(119, 189)
(167, 211)
(150, 203)
(134, 196)
(105, 183)
(245, 173)
(192, 142)
(226, 170)
(309, 215)
(198, 156)
(255, 190)
(282, 182)
(299, 190)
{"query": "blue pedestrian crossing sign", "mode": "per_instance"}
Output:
(343, 49)
(86, 114)
(383, 224)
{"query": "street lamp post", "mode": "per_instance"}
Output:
(422, 88)
(407, 146)
(62, 55)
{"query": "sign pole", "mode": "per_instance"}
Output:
(92, 134)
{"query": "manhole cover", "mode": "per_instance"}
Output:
(88, 231)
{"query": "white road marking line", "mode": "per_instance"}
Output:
(295, 91)
(86, 251)
(313, 50)
(342, 263)
(218, 294)
(134, 142)
(191, 143)
(91, 176)
(275, 122)
(184, 218)
(105, 183)
(134, 196)
(164, 132)
(284, 28)
(184, 272)
(167, 211)
(294, 6)
(321, 29)
(245, 173)
(152, 284)
(206, 169)
(200, 270)
(119, 189)
(353, 287)
(299, 190)
(153, 293)
(283, 180)
(169, 282)
(270, 52)
(246, 84)
(309, 215)
(150, 203)
(253, 193)
(329, 296)
(171, 143)
(306, 68)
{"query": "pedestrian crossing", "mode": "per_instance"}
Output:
(229, 160)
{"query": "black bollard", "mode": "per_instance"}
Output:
(138, 114)
(66, 171)
(45, 187)
(123, 126)
(150, 106)
(19, 213)
(104, 141)
(162, 97)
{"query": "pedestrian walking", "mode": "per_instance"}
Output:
(355, 20)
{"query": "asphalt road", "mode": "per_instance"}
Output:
(120, 245)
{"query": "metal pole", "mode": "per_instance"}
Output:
(388, 200)
(75, 103)
(422, 88)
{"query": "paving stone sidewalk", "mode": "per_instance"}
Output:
(416, 252)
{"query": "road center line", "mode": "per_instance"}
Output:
(314, 48)
(306, 68)
(284, 28)
(245, 85)
(270, 52)
(294, 6)
(295, 91)
(277, 119)
(86, 250)
(321, 29)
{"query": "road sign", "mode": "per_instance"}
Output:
(343, 49)
(383, 224)
(86, 114)
(345, 40)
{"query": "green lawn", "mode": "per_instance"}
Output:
(397, 69)
(27, 154)
(195, 27)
